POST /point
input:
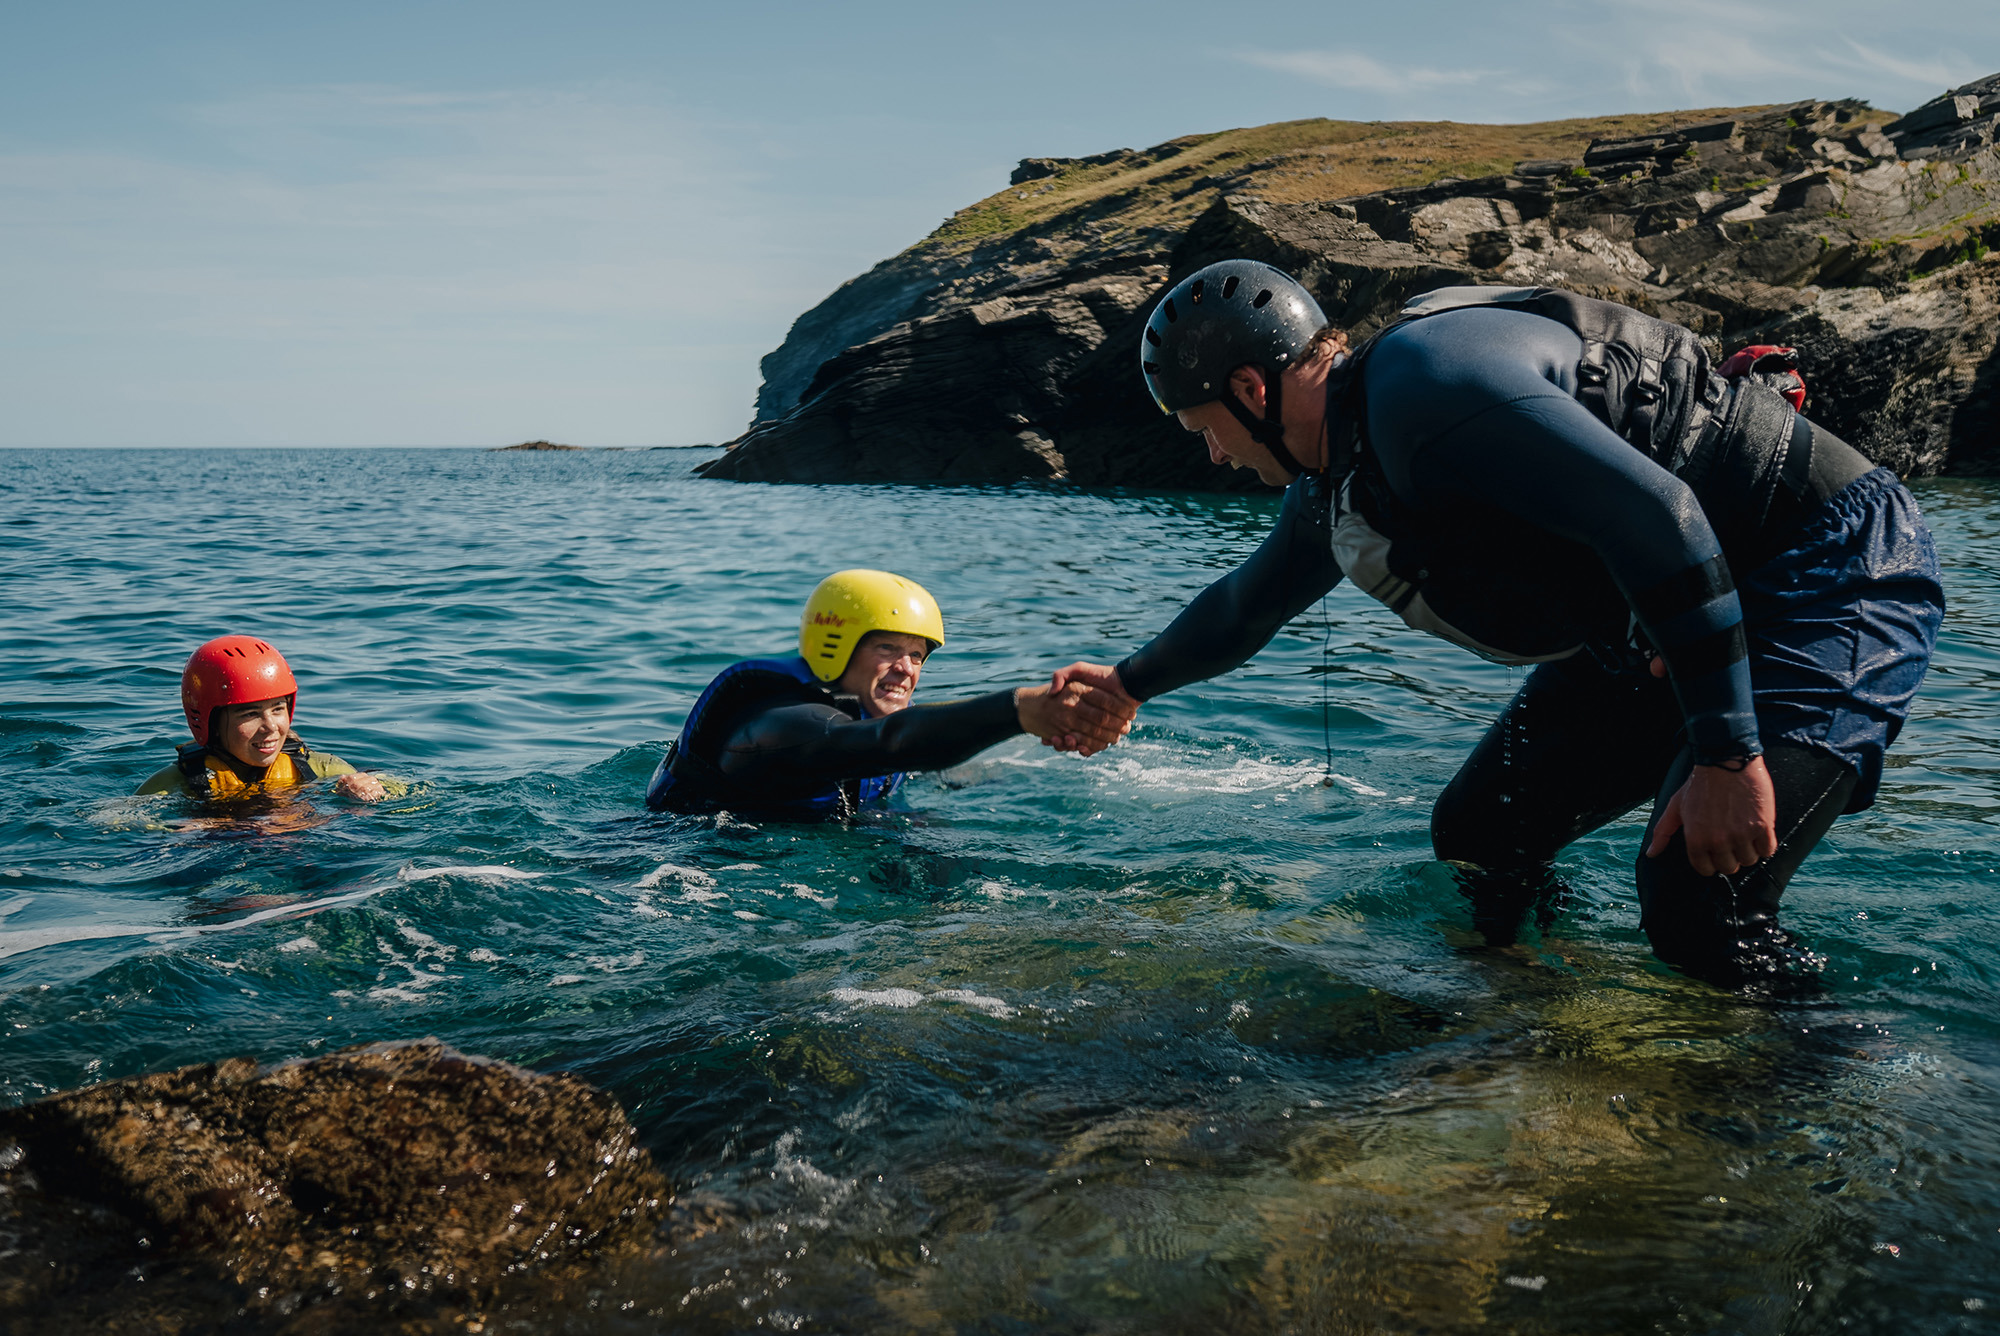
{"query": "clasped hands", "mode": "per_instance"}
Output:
(1083, 709)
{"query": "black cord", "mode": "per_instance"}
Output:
(1326, 690)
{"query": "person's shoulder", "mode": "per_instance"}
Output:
(167, 779)
(325, 765)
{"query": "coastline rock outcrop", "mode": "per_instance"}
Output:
(1858, 236)
(386, 1180)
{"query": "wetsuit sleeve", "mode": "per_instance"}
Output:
(325, 765)
(802, 747)
(167, 780)
(1233, 618)
(1468, 411)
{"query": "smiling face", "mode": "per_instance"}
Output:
(254, 733)
(884, 670)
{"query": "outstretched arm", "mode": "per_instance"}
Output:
(801, 748)
(1232, 619)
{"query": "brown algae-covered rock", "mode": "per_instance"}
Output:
(405, 1171)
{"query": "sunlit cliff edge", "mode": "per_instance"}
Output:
(1002, 346)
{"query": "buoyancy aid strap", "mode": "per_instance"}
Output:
(1268, 431)
(201, 766)
(1742, 458)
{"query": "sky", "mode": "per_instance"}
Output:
(434, 222)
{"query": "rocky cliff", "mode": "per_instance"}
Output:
(1001, 347)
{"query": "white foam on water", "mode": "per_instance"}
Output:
(691, 877)
(1157, 766)
(883, 997)
(805, 892)
(615, 964)
(299, 944)
(31, 939)
(701, 897)
(483, 956)
(1138, 769)
(397, 993)
(795, 1170)
(905, 998)
(494, 872)
(428, 947)
(992, 1006)
(563, 980)
(749, 917)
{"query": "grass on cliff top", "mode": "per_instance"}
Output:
(1291, 161)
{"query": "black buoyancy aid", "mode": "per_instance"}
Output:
(213, 774)
(689, 779)
(1648, 380)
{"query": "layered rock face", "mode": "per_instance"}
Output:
(394, 1181)
(1858, 238)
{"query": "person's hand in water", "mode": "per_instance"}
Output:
(1727, 814)
(1103, 692)
(1074, 715)
(366, 788)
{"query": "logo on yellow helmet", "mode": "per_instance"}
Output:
(847, 605)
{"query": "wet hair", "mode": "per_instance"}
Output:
(1327, 339)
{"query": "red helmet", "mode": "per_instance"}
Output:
(232, 670)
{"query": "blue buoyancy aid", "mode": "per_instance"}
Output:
(689, 779)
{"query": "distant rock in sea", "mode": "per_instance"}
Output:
(389, 1180)
(536, 445)
(1003, 346)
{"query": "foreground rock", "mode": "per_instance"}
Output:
(393, 1180)
(1856, 235)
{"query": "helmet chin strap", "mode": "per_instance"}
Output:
(1268, 431)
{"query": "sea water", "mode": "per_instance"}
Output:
(1183, 1037)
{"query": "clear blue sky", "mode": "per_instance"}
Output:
(456, 223)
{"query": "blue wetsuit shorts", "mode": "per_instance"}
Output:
(1842, 625)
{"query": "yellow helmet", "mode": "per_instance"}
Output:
(849, 604)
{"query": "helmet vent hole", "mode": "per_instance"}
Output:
(1194, 291)
(1152, 368)
(1168, 307)
(1229, 287)
(1262, 298)
(1152, 338)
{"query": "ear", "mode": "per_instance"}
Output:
(1247, 383)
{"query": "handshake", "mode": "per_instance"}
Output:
(1083, 709)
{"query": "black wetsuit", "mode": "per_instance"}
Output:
(1553, 525)
(777, 747)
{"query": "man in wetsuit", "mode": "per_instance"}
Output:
(1730, 607)
(820, 735)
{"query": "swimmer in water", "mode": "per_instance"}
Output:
(832, 728)
(239, 695)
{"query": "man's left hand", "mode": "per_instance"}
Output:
(1729, 818)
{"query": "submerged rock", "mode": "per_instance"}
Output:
(1003, 347)
(393, 1178)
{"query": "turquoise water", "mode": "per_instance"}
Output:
(1175, 1039)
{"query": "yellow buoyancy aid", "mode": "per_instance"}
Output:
(215, 776)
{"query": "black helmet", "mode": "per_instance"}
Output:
(1217, 319)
